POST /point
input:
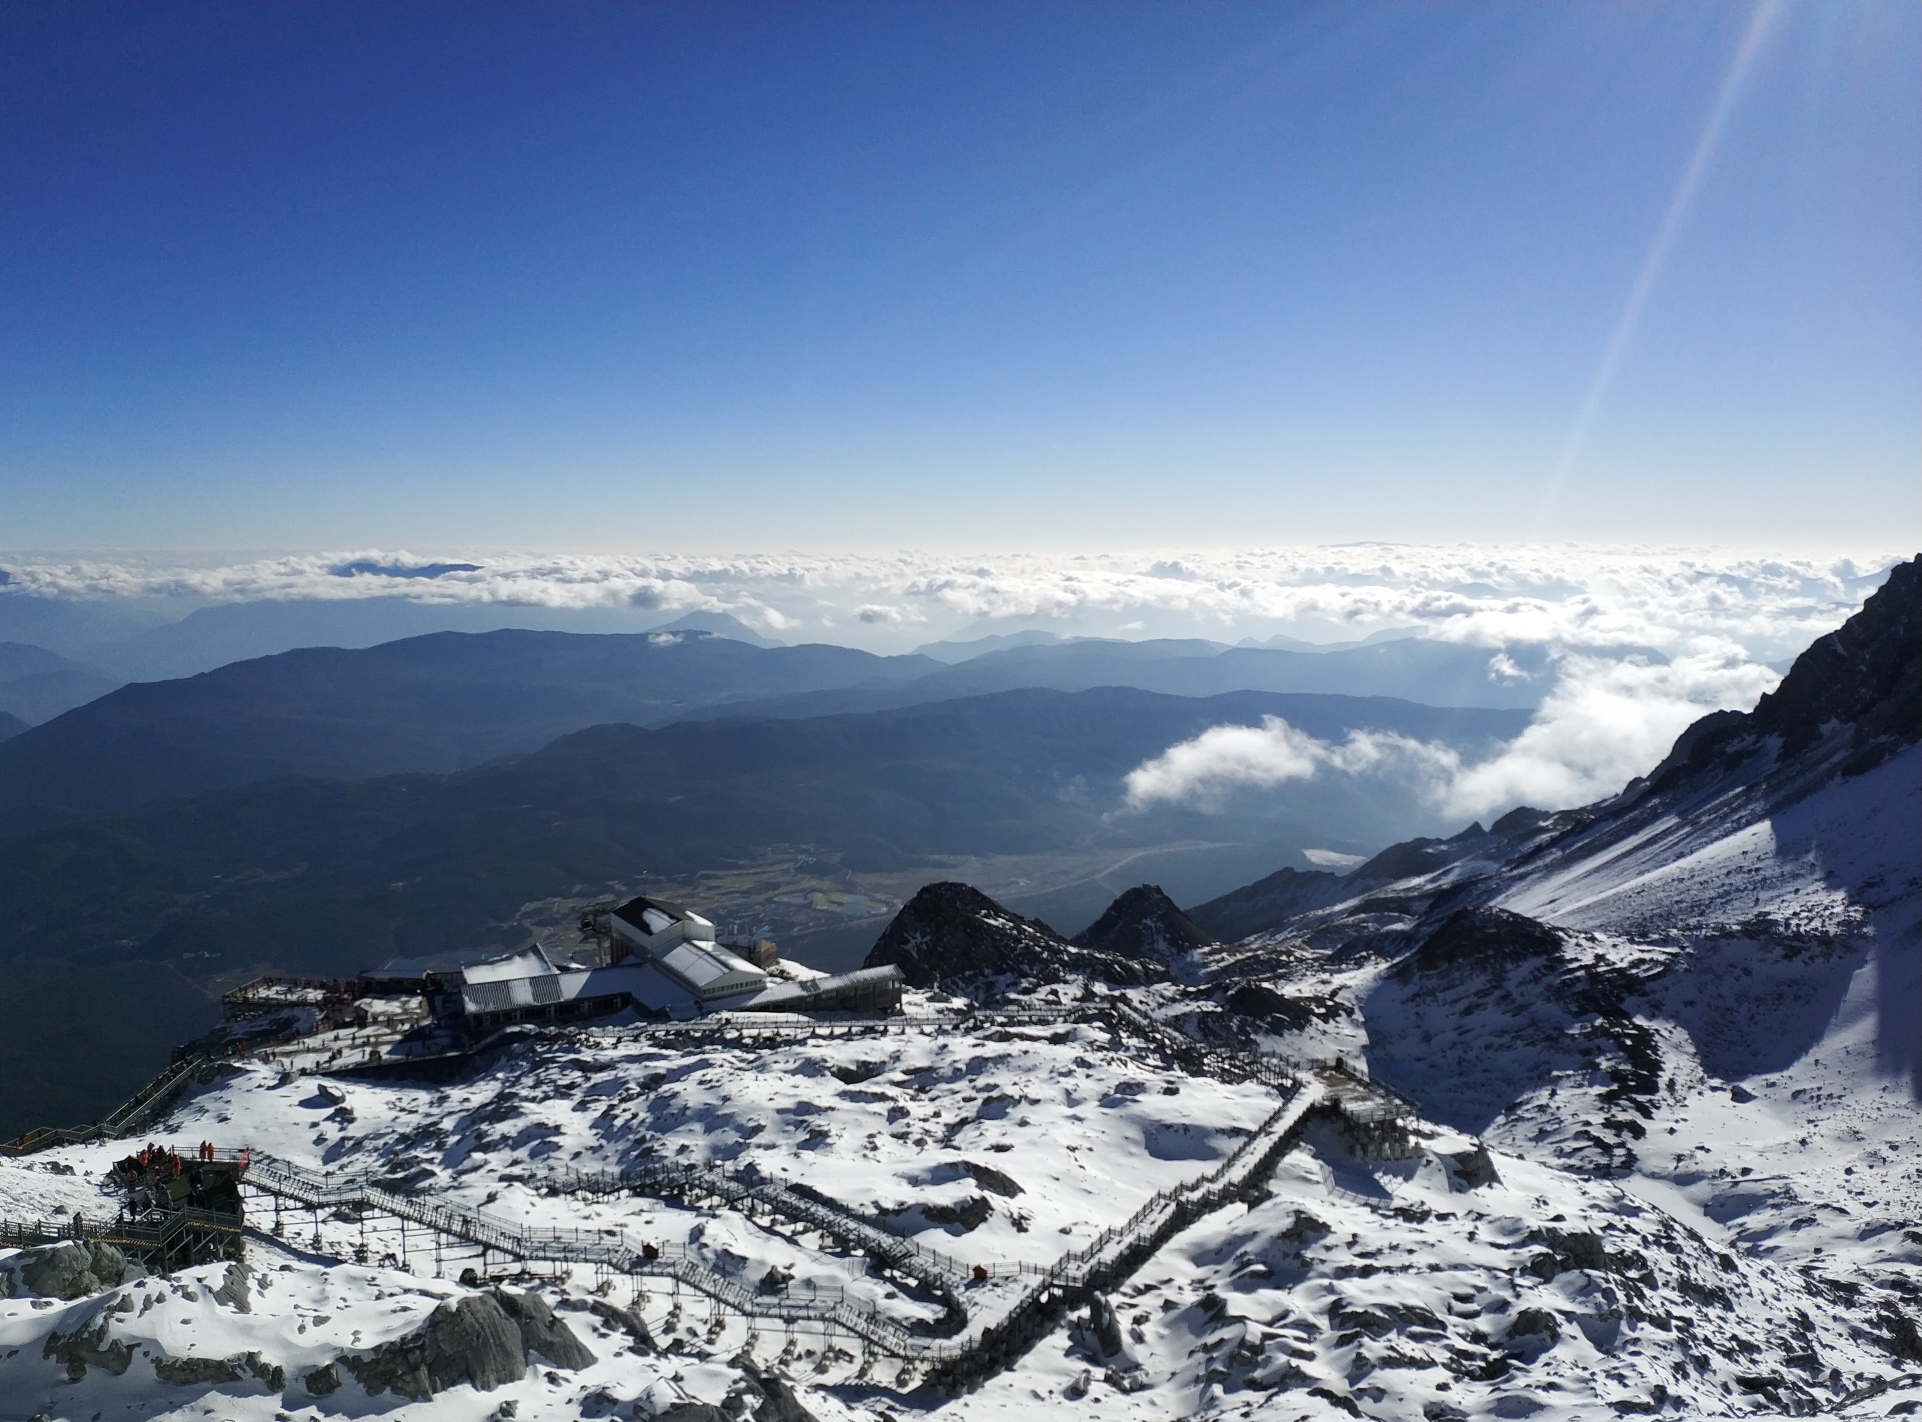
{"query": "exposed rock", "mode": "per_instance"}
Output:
(1866, 675)
(988, 1178)
(1143, 923)
(1104, 1325)
(233, 1289)
(1574, 1249)
(1273, 1010)
(267, 1371)
(196, 1372)
(470, 1340)
(1533, 1331)
(953, 934)
(773, 1399)
(1474, 1168)
(693, 1412)
(1484, 937)
(628, 1321)
(970, 1214)
(69, 1270)
(1264, 905)
(1901, 1337)
(542, 1333)
(321, 1381)
(88, 1347)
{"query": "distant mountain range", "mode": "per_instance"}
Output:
(129, 642)
(334, 873)
(1414, 669)
(450, 700)
(36, 685)
(437, 703)
(114, 923)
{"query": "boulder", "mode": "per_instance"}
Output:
(970, 1214)
(484, 1339)
(1104, 1325)
(772, 1398)
(267, 1371)
(542, 1333)
(470, 1340)
(1534, 1331)
(233, 1290)
(1474, 1168)
(998, 1182)
(628, 1320)
(68, 1270)
(693, 1412)
(88, 1346)
(196, 1372)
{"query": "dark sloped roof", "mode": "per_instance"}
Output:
(634, 909)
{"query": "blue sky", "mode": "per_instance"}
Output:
(1002, 276)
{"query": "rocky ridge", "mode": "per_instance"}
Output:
(954, 936)
(1144, 923)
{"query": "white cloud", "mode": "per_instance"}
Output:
(1226, 758)
(873, 612)
(1717, 617)
(1565, 597)
(1606, 722)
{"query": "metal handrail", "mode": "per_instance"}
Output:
(1141, 1233)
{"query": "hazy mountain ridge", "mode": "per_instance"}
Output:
(1432, 672)
(1002, 774)
(36, 685)
(442, 702)
(330, 876)
(448, 701)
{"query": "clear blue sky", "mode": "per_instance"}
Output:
(740, 276)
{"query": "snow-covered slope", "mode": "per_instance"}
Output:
(1670, 1164)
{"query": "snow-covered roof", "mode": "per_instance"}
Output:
(528, 963)
(800, 995)
(711, 971)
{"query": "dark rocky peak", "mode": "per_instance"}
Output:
(1414, 857)
(1517, 822)
(1265, 905)
(1485, 938)
(1144, 923)
(1866, 675)
(953, 935)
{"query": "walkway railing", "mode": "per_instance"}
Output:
(970, 1350)
(124, 1120)
(959, 1348)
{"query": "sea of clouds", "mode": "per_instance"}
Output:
(1640, 642)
